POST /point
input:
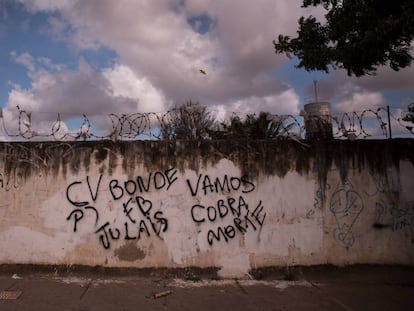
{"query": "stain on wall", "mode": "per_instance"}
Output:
(129, 252)
(252, 157)
(199, 203)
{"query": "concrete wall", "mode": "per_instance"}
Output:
(236, 206)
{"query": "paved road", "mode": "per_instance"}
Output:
(357, 288)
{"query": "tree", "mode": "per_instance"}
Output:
(263, 126)
(189, 121)
(358, 35)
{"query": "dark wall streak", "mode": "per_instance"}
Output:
(253, 157)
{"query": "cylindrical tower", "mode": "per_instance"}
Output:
(318, 121)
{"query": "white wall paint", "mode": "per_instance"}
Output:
(367, 219)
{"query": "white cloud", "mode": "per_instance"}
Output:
(124, 83)
(360, 101)
(24, 59)
(154, 40)
(159, 57)
(158, 46)
(75, 92)
(19, 121)
(57, 91)
(33, 64)
(386, 79)
(285, 103)
(48, 5)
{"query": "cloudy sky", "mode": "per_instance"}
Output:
(97, 57)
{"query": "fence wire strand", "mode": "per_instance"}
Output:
(143, 126)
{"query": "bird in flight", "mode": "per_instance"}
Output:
(203, 72)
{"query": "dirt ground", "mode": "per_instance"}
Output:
(321, 288)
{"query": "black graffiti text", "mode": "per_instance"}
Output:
(207, 185)
(142, 219)
(133, 230)
(139, 207)
(220, 209)
(243, 217)
(93, 191)
(253, 220)
(157, 181)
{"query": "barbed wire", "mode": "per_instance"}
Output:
(143, 126)
(368, 123)
(355, 125)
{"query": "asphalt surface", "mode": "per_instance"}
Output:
(353, 288)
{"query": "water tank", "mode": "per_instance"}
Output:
(318, 121)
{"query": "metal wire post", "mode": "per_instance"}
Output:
(389, 122)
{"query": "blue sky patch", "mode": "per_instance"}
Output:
(201, 24)
(23, 32)
(299, 79)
